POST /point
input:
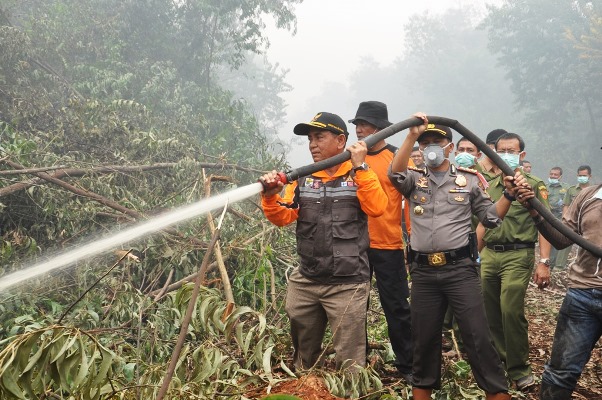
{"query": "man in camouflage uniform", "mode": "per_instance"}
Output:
(556, 192)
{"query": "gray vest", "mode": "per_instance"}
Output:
(332, 231)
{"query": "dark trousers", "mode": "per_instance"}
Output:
(433, 288)
(392, 283)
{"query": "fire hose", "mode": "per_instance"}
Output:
(294, 174)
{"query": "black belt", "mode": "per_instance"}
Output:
(443, 257)
(510, 246)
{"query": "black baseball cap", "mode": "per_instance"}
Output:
(494, 135)
(436, 129)
(323, 120)
(373, 112)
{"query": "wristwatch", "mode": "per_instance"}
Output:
(545, 261)
(362, 167)
(508, 195)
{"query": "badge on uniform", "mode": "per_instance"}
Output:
(423, 199)
(543, 192)
(459, 198)
(422, 182)
(348, 182)
(309, 182)
(460, 180)
(418, 210)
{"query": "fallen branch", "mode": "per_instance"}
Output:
(30, 170)
(189, 310)
(178, 284)
(104, 201)
(62, 172)
(192, 277)
(218, 251)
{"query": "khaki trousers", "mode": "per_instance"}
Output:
(311, 305)
(505, 278)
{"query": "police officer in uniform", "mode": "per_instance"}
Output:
(442, 200)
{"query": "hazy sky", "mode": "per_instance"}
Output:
(331, 36)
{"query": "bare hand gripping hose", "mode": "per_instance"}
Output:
(371, 140)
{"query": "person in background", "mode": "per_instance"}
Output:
(442, 198)
(416, 156)
(584, 175)
(526, 166)
(507, 261)
(486, 167)
(556, 193)
(331, 207)
(467, 154)
(579, 324)
(386, 253)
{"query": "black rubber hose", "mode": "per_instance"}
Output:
(535, 203)
(455, 125)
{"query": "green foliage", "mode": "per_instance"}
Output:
(353, 382)
(104, 361)
(551, 82)
(60, 357)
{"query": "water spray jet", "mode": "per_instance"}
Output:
(115, 239)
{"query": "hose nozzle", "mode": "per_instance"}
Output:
(281, 177)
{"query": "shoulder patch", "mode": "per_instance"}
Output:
(469, 170)
(421, 170)
(483, 187)
(543, 191)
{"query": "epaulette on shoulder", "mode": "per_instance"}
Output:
(421, 170)
(469, 170)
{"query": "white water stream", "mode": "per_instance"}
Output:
(96, 246)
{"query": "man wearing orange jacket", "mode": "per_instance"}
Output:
(386, 239)
(331, 208)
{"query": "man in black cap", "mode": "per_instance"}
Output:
(386, 240)
(442, 261)
(485, 166)
(331, 208)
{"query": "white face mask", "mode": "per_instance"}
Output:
(433, 155)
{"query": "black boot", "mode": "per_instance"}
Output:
(553, 392)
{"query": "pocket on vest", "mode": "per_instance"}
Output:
(345, 248)
(305, 235)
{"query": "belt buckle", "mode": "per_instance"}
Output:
(498, 247)
(437, 259)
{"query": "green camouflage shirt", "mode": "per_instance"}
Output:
(556, 193)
